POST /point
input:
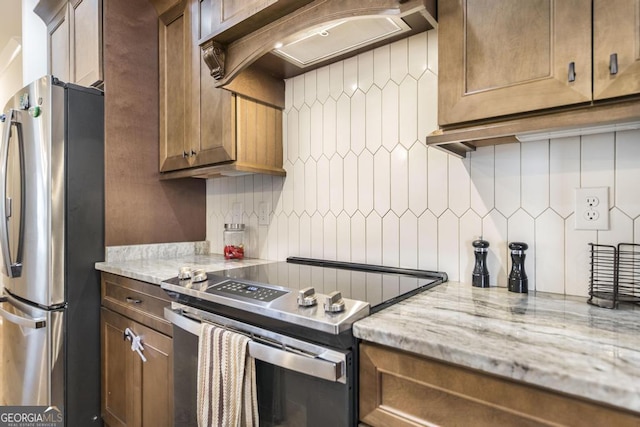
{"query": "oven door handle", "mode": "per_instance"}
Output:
(308, 365)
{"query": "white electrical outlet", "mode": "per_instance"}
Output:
(264, 213)
(592, 208)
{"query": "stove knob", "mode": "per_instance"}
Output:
(198, 276)
(334, 303)
(184, 273)
(307, 297)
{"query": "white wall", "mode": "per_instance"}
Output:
(34, 42)
(362, 186)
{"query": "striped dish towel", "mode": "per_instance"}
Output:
(227, 394)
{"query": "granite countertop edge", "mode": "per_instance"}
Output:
(551, 341)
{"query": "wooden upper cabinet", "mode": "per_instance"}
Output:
(502, 57)
(74, 33)
(616, 27)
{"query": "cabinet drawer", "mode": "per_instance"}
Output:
(140, 301)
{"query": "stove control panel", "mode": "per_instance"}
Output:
(248, 290)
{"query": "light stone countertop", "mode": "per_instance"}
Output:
(557, 342)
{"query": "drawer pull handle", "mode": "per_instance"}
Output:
(133, 300)
(572, 72)
(613, 64)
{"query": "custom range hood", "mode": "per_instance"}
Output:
(278, 39)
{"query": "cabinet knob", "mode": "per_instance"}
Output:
(193, 153)
(613, 64)
(572, 72)
(185, 154)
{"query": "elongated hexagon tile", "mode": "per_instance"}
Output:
(432, 47)
(577, 255)
(214, 234)
(418, 178)
(213, 194)
(288, 95)
(336, 79)
(564, 174)
(390, 240)
(627, 196)
(408, 240)
(305, 235)
(293, 241)
(448, 245)
(343, 237)
(329, 127)
(494, 230)
(293, 135)
(470, 230)
(271, 249)
(381, 66)
(317, 236)
(427, 241)
(350, 84)
(224, 195)
(324, 191)
(350, 183)
(304, 133)
(316, 131)
(336, 184)
(310, 186)
(247, 193)
(438, 180)
(310, 85)
(417, 54)
(298, 187)
(408, 112)
(535, 177)
(427, 104)
(399, 57)
(263, 243)
(521, 228)
(620, 229)
(272, 187)
(283, 237)
(381, 182)
(358, 125)
(390, 108)
(251, 237)
(597, 162)
(365, 182)
(507, 166)
(374, 238)
(373, 118)
(323, 84)
(358, 238)
(550, 262)
(399, 180)
(365, 70)
(330, 248)
(298, 91)
(343, 125)
(482, 180)
(459, 185)
(285, 136)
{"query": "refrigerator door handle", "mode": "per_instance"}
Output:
(11, 269)
(32, 323)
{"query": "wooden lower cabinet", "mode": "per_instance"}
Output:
(403, 389)
(134, 392)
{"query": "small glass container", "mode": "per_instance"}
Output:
(233, 241)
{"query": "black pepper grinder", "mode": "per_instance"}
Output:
(480, 273)
(518, 281)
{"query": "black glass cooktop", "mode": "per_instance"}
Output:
(380, 286)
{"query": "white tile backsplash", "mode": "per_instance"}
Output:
(362, 186)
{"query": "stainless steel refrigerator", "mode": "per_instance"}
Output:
(51, 235)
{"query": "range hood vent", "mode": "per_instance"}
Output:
(337, 38)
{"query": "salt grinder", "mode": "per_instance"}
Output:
(518, 281)
(480, 273)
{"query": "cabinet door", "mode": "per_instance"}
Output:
(135, 393)
(176, 100)
(58, 40)
(501, 57)
(86, 46)
(616, 31)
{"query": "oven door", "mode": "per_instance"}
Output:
(298, 383)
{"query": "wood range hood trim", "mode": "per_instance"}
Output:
(229, 60)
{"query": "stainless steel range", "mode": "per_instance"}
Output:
(299, 315)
